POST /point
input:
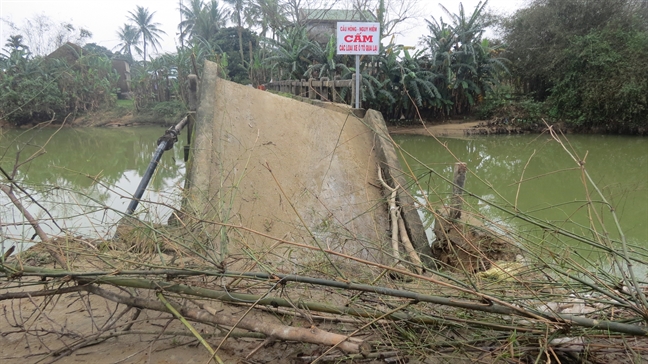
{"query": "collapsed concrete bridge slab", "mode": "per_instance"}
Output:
(270, 175)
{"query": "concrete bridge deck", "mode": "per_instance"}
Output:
(287, 170)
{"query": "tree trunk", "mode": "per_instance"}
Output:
(239, 29)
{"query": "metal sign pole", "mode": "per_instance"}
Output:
(357, 85)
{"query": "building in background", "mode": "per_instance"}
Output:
(320, 23)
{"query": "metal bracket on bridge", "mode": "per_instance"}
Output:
(170, 137)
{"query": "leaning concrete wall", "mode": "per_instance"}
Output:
(395, 175)
(284, 170)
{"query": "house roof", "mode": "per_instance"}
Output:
(338, 15)
(69, 52)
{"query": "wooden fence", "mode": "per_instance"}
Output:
(323, 89)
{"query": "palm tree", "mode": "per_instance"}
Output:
(202, 20)
(17, 56)
(146, 28)
(129, 39)
(210, 20)
(465, 65)
(189, 15)
(325, 62)
(238, 17)
(269, 14)
(15, 43)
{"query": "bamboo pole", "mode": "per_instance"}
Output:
(310, 335)
(459, 180)
(490, 307)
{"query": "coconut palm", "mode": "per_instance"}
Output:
(15, 43)
(189, 15)
(146, 28)
(238, 17)
(202, 20)
(210, 20)
(17, 55)
(268, 14)
(128, 39)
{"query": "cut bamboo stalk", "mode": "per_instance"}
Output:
(458, 180)
(393, 215)
(409, 248)
(282, 332)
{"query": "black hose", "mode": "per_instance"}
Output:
(164, 143)
(146, 178)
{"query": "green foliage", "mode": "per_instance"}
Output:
(227, 41)
(94, 48)
(453, 73)
(169, 109)
(401, 85)
(509, 108)
(605, 83)
(289, 53)
(157, 81)
(202, 20)
(585, 58)
(146, 28)
(128, 40)
(40, 89)
(325, 62)
(449, 76)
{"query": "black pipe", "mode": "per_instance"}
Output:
(164, 143)
(146, 178)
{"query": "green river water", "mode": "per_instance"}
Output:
(85, 178)
(86, 175)
(552, 188)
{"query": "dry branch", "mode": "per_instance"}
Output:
(311, 335)
(459, 180)
(32, 221)
(47, 292)
(491, 307)
(398, 227)
(409, 248)
(393, 215)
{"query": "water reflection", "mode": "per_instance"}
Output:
(535, 175)
(84, 177)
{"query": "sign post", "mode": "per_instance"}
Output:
(358, 38)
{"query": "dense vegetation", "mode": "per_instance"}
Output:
(42, 88)
(585, 60)
(577, 61)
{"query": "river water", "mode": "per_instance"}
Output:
(534, 176)
(85, 177)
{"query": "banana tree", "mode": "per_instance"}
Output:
(289, 54)
(325, 61)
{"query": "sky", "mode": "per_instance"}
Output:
(104, 17)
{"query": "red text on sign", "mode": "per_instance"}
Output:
(358, 38)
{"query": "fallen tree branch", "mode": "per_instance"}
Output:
(547, 318)
(491, 307)
(32, 221)
(393, 215)
(47, 292)
(193, 331)
(398, 227)
(311, 335)
(409, 248)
